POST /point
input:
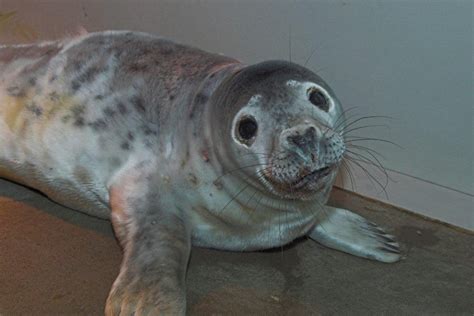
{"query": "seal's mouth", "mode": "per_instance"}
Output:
(308, 184)
(312, 177)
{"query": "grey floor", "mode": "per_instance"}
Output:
(54, 261)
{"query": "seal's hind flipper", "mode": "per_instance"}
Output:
(345, 231)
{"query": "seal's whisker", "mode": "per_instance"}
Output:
(377, 162)
(345, 132)
(234, 197)
(342, 115)
(316, 212)
(238, 169)
(310, 56)
(255, 153)
(251, 197)
(348, 170)
(257, 204)
(247, 204)
(358, 139)
(279, 230)
(265, 154)
(366, 118)
(246, 185)
(345, 119)
(317, 71)
(369, 161)
(323, 211)
(365, 159)
(355, 118)
(369, 175)
(367, 149)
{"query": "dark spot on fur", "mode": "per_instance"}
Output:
(78, 110)
(78, 115)
(99, 97)
(32, 81)
(65, 118)
(218, 184)
(34, 108)
(130, 136)
(192, 178)
(122, 108)
(108, 111)
(79, 122)
(53, 96)
(75, 85)
(98, 125)
(171, 97)
(53, 78)
(86, 77)
(15, 91)
(201, 98)
(148, 131)
(137, 102)
(125, 146)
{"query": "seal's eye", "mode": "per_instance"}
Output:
(247, 129)
(318, 98)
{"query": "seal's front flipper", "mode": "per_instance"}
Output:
(156, 244)
(351, 233)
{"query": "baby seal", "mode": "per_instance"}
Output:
(178, 147)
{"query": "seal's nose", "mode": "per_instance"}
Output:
(302, 140)
(313, 146)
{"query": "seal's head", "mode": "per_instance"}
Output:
(276, 122)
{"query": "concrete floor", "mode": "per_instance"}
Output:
(54, 261)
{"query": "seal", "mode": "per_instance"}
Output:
(177, 147)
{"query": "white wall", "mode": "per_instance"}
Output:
(411, 60)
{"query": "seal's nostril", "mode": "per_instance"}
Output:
(311, 134)
(297, 140)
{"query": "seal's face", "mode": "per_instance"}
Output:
(283, 127)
